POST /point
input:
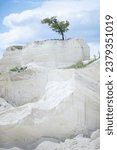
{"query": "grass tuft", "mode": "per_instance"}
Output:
(80, 64)
(18, 69)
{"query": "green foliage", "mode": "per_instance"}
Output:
(57, 26)
(18, 69)
(77, 65)
(90, 62)
(13, 48)
(80, 64)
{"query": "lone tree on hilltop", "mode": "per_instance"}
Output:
(57, 26)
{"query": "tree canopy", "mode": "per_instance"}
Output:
(56, 25)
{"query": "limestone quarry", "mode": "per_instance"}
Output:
(45, 103)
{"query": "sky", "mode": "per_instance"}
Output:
(20, 21)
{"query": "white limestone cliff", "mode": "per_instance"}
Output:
(49, 53)
(43, 105)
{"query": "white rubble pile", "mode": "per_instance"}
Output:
(77, 143)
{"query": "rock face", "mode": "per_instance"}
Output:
(22, 87)
(41, 103)
(50, 53)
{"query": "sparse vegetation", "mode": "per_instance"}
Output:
(18, 47)
(90, 62)
(18, 69)
(77, 65)
(80, 64)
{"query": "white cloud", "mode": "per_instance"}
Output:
(26, 26)
(62, 9)
(16, 34)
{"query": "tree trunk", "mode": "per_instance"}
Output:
(56, 22)
(62, 35)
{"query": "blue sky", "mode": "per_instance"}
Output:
(20, 21)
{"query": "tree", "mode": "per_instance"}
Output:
(57, 26)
